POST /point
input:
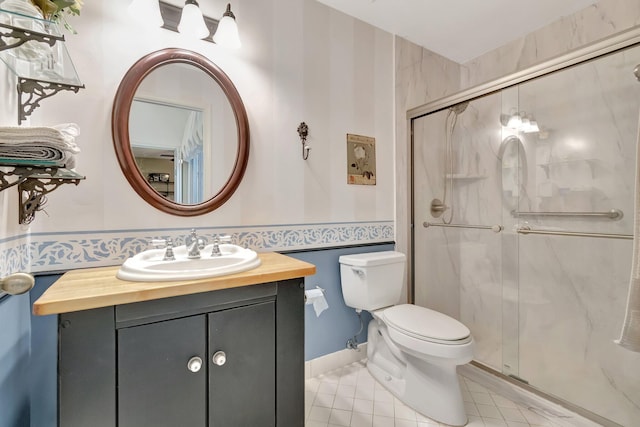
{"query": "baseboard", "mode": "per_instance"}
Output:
(561, 413)
(332, 361)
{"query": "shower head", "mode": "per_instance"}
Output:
(459, 108)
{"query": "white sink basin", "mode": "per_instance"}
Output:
(148, 266)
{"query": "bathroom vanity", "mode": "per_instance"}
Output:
(223, 351)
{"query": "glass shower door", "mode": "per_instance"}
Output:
(545, 159)
(571, 288)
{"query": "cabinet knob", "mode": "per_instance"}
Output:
(194, 364)
(219, 358)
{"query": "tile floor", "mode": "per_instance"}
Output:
(349, 396)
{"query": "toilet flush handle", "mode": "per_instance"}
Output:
(358, 271)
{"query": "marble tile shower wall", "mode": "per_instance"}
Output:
(544, 308)
(602, 19)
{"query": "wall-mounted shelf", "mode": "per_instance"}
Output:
(34, 50)
(34, 182)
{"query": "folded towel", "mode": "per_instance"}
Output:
(51, 144)
(33, 151)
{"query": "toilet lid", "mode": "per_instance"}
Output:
(426, 324)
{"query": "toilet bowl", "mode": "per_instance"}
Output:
(412, 351)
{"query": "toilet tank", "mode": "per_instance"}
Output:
(372, 280)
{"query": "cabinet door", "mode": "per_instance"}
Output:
(156, 388)
(242, 391)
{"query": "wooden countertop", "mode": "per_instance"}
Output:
(98, 287)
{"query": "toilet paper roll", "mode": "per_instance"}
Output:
(316, 298)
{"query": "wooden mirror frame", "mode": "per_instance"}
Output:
(122, 144)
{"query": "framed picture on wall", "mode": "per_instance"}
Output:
(361, 160)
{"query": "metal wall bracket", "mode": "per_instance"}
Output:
(31, 92)
(19, 36)
(34, 183)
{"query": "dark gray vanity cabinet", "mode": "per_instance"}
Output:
(136, 365)
(155, 385)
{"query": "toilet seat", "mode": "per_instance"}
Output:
(425, 324)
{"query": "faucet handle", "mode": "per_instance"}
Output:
(168, 254)
(165, 244)
(217, 240)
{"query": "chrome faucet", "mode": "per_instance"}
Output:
(215, 251)
(193, 244)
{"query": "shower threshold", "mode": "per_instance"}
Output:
(559, 411)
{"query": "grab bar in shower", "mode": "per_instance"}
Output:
(527, 230)
(614, 214)
(495, 228)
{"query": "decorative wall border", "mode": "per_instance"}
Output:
(47, 252)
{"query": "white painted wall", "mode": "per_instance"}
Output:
(300, 61)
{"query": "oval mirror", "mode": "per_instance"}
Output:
(180, 132)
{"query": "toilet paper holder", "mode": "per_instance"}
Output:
(317, 287)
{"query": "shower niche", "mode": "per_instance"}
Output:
(550, 160)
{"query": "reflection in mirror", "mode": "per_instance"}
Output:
(180, 132)
(513, 160)
(179, 108)
(167, 143)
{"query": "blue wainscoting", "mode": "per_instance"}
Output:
(330, 331)
(43, 366)
(15, 332)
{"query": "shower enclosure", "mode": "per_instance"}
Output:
(528, 241)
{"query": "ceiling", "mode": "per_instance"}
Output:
(460, 30)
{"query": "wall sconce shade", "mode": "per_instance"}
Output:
(192, 22)
(172, 14)
(515, 121)
(227, 32)
(147, 12)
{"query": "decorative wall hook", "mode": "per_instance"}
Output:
(303, 131)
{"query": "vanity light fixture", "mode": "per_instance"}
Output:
(227, 33)
(147, 11)
(520, 122)
(192, 21)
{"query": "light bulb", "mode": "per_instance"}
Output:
(227, 33)
(192, 22)
(532, 127)
(515, 121)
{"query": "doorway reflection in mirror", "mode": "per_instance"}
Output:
(167, 140)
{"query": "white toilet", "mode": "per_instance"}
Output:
(412, 351)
